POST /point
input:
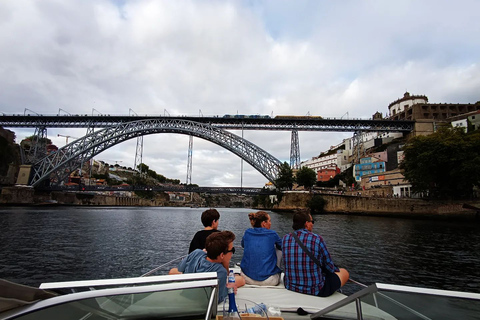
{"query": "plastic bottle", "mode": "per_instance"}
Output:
(260, 309)
(232, 312)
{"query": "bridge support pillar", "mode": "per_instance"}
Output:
(189, 160)
(295, 151)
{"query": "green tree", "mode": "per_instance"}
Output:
(285, 178)
(445, 164)
(306, 177)
(316, 204)
(143, 167)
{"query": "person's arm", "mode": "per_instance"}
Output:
(239, 281)
(222, 285)
(326, 258)
(174, 271)
(278, 241)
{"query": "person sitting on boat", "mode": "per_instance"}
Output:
(260, 263)
(302, 273)
(210, 219)
(219, 250)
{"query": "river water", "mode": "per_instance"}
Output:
(45, 244)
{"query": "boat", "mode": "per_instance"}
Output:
(195, 296)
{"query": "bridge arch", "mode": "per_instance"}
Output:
(69, 157)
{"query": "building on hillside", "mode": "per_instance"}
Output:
(269, 185)
(387, 178)
(326, 174)
(417, 107)
(368, 165)
(463, 123)
(332, 160)
(474, 120)
(469, 121)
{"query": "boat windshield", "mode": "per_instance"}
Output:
(172, 300)
(382, 301)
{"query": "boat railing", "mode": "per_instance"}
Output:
(385, 301)
(75, 286)
(161, 297)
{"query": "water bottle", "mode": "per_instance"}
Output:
(232, 312)
(260, 309)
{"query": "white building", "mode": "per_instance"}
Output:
(339, 159)
(401, 104)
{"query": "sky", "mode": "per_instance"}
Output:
(323, 58)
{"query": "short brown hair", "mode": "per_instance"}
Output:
(299, 219)
(218, 242)
(208, 216)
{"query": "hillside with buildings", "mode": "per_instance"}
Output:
(375, 156)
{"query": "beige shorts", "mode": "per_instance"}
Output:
(273, 280)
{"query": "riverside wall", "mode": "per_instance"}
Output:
(411, 208)
(28, 196)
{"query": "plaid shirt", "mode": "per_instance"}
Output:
(302, 274)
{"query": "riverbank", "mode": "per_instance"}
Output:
(291, 201)
(28, 196)
(394, 207)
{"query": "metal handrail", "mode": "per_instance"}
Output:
(159, 267)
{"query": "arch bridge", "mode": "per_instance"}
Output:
(70, 157)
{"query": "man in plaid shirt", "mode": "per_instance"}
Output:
(302, 274)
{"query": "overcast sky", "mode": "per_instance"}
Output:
(328, 58)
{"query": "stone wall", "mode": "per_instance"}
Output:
(17, 195)
(412, 208)
(27, 196)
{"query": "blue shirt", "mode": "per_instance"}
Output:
(197, 262)
(302, 274)
(259, 257)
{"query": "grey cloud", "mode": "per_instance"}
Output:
(263, 57)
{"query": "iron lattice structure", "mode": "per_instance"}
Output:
(285, 123)
(68, 158)
(189, 160)
(294, 150)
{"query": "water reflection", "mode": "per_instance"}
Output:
(59, 244)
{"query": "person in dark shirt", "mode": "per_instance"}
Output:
(210, 219)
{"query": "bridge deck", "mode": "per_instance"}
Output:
(287, 123)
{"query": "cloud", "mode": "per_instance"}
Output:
(226, 57)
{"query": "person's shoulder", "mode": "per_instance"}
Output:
(270, 231)
(197, 252)
(314, 236)
(287, 236)
(198, 233)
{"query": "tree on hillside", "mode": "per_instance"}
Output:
(445, 164)
(285, 178)
(306, 177)
(316, 204)
(143, 167)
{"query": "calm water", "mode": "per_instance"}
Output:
(78, 243)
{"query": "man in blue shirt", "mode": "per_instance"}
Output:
(302, 274)
(219, 251)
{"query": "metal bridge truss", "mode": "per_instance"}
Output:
(68, 158)
(294, 151)
(287, 123)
